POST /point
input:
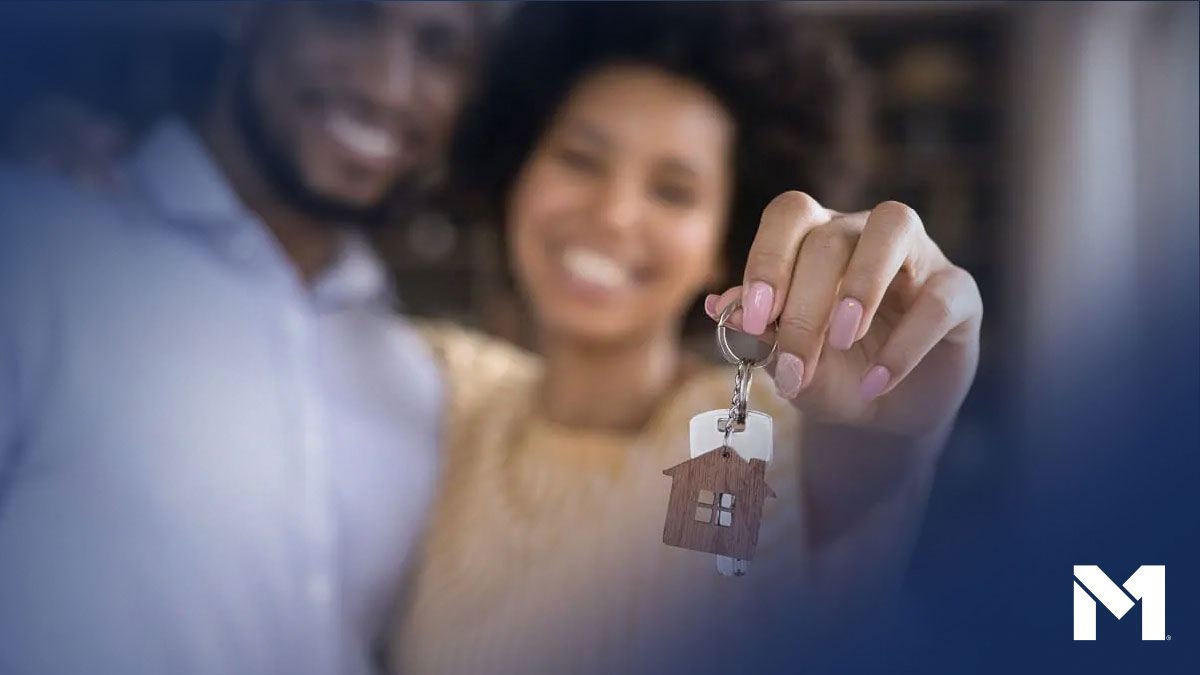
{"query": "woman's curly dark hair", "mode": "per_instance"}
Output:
(782, 79)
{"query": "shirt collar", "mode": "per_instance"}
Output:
(174, 170)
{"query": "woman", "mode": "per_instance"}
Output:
(625, 149)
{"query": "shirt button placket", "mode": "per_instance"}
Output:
(319, 582)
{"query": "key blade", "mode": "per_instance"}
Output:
(731, 567)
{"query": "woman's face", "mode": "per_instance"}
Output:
(617, 217)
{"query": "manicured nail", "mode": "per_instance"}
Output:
(710, 305)
(843, 327)
(873, 382)
(789, 373)
(757, 308)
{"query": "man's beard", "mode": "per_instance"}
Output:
(285, 180)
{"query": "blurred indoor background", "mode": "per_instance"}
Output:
(1050, 148)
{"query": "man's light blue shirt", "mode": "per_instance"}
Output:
(206, 465)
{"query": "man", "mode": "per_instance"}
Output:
(217, 445)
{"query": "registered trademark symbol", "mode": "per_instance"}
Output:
(1168, 637)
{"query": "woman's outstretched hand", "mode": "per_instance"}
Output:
(877, 330)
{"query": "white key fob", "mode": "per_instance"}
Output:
(754, 442)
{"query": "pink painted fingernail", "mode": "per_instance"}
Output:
(789, 374)
(710, 305)
(756, 309)
(844, 326)
(873, 382)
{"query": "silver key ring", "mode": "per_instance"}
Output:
(727, 351)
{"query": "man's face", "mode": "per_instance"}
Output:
(347, 102)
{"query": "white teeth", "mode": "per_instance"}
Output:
(594, 267)
(368, 141)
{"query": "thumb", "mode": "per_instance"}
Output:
(715, 305)
(786, 370)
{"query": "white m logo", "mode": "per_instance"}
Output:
(1148, 584)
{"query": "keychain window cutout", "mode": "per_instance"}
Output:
(724, 501)
(725, 512)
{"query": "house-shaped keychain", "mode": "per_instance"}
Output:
(716, 503)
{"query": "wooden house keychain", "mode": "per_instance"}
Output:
(717, 496)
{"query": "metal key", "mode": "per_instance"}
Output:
(707, 431)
